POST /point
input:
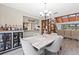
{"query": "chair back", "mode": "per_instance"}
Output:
(54, 34)
(28, 48)
(55, 47)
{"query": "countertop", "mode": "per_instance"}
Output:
(11, 31)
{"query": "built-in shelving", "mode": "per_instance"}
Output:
(47, 26)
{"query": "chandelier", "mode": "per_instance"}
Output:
(45, 13)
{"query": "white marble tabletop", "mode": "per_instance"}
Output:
(41, 41)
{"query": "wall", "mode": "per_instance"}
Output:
(11, 16)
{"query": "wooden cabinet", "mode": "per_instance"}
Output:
(77, 17)
(47, 26)
(68, 18)
(65, 19)
(59, 19)
(72, 17)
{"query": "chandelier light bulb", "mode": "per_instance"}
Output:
(41, 13)
(45, 11)
(50, 12)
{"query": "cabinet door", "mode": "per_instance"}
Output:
(1, 40)
(77, 17)
(59, 19)
(1, 46)
(72, 17)
(20, 34)
(65, 19)
(1, 43)
(15, 39)
(7, 39)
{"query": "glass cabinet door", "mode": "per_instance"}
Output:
(20, 36)
(7, 39)
(1, 46)
(15, 39)
(1, 43)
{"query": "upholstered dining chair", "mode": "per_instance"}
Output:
(28, 49)
(67, 34)
(61, 32)
(53, 33)
(55, 47)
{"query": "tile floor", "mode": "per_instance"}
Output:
(18, 51)
(69, 47)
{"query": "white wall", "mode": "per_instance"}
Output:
(11, 16)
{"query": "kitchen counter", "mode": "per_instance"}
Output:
(11, 31)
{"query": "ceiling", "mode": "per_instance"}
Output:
(34, 9)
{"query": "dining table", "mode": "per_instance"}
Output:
(41, 41)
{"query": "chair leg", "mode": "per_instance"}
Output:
(60, 48)
(45, 52)
(59, 52)
(23, 53)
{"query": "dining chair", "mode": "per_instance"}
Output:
(54, 34)
(55, 47)
(28, 49)
(75, 35)
(67, 34)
